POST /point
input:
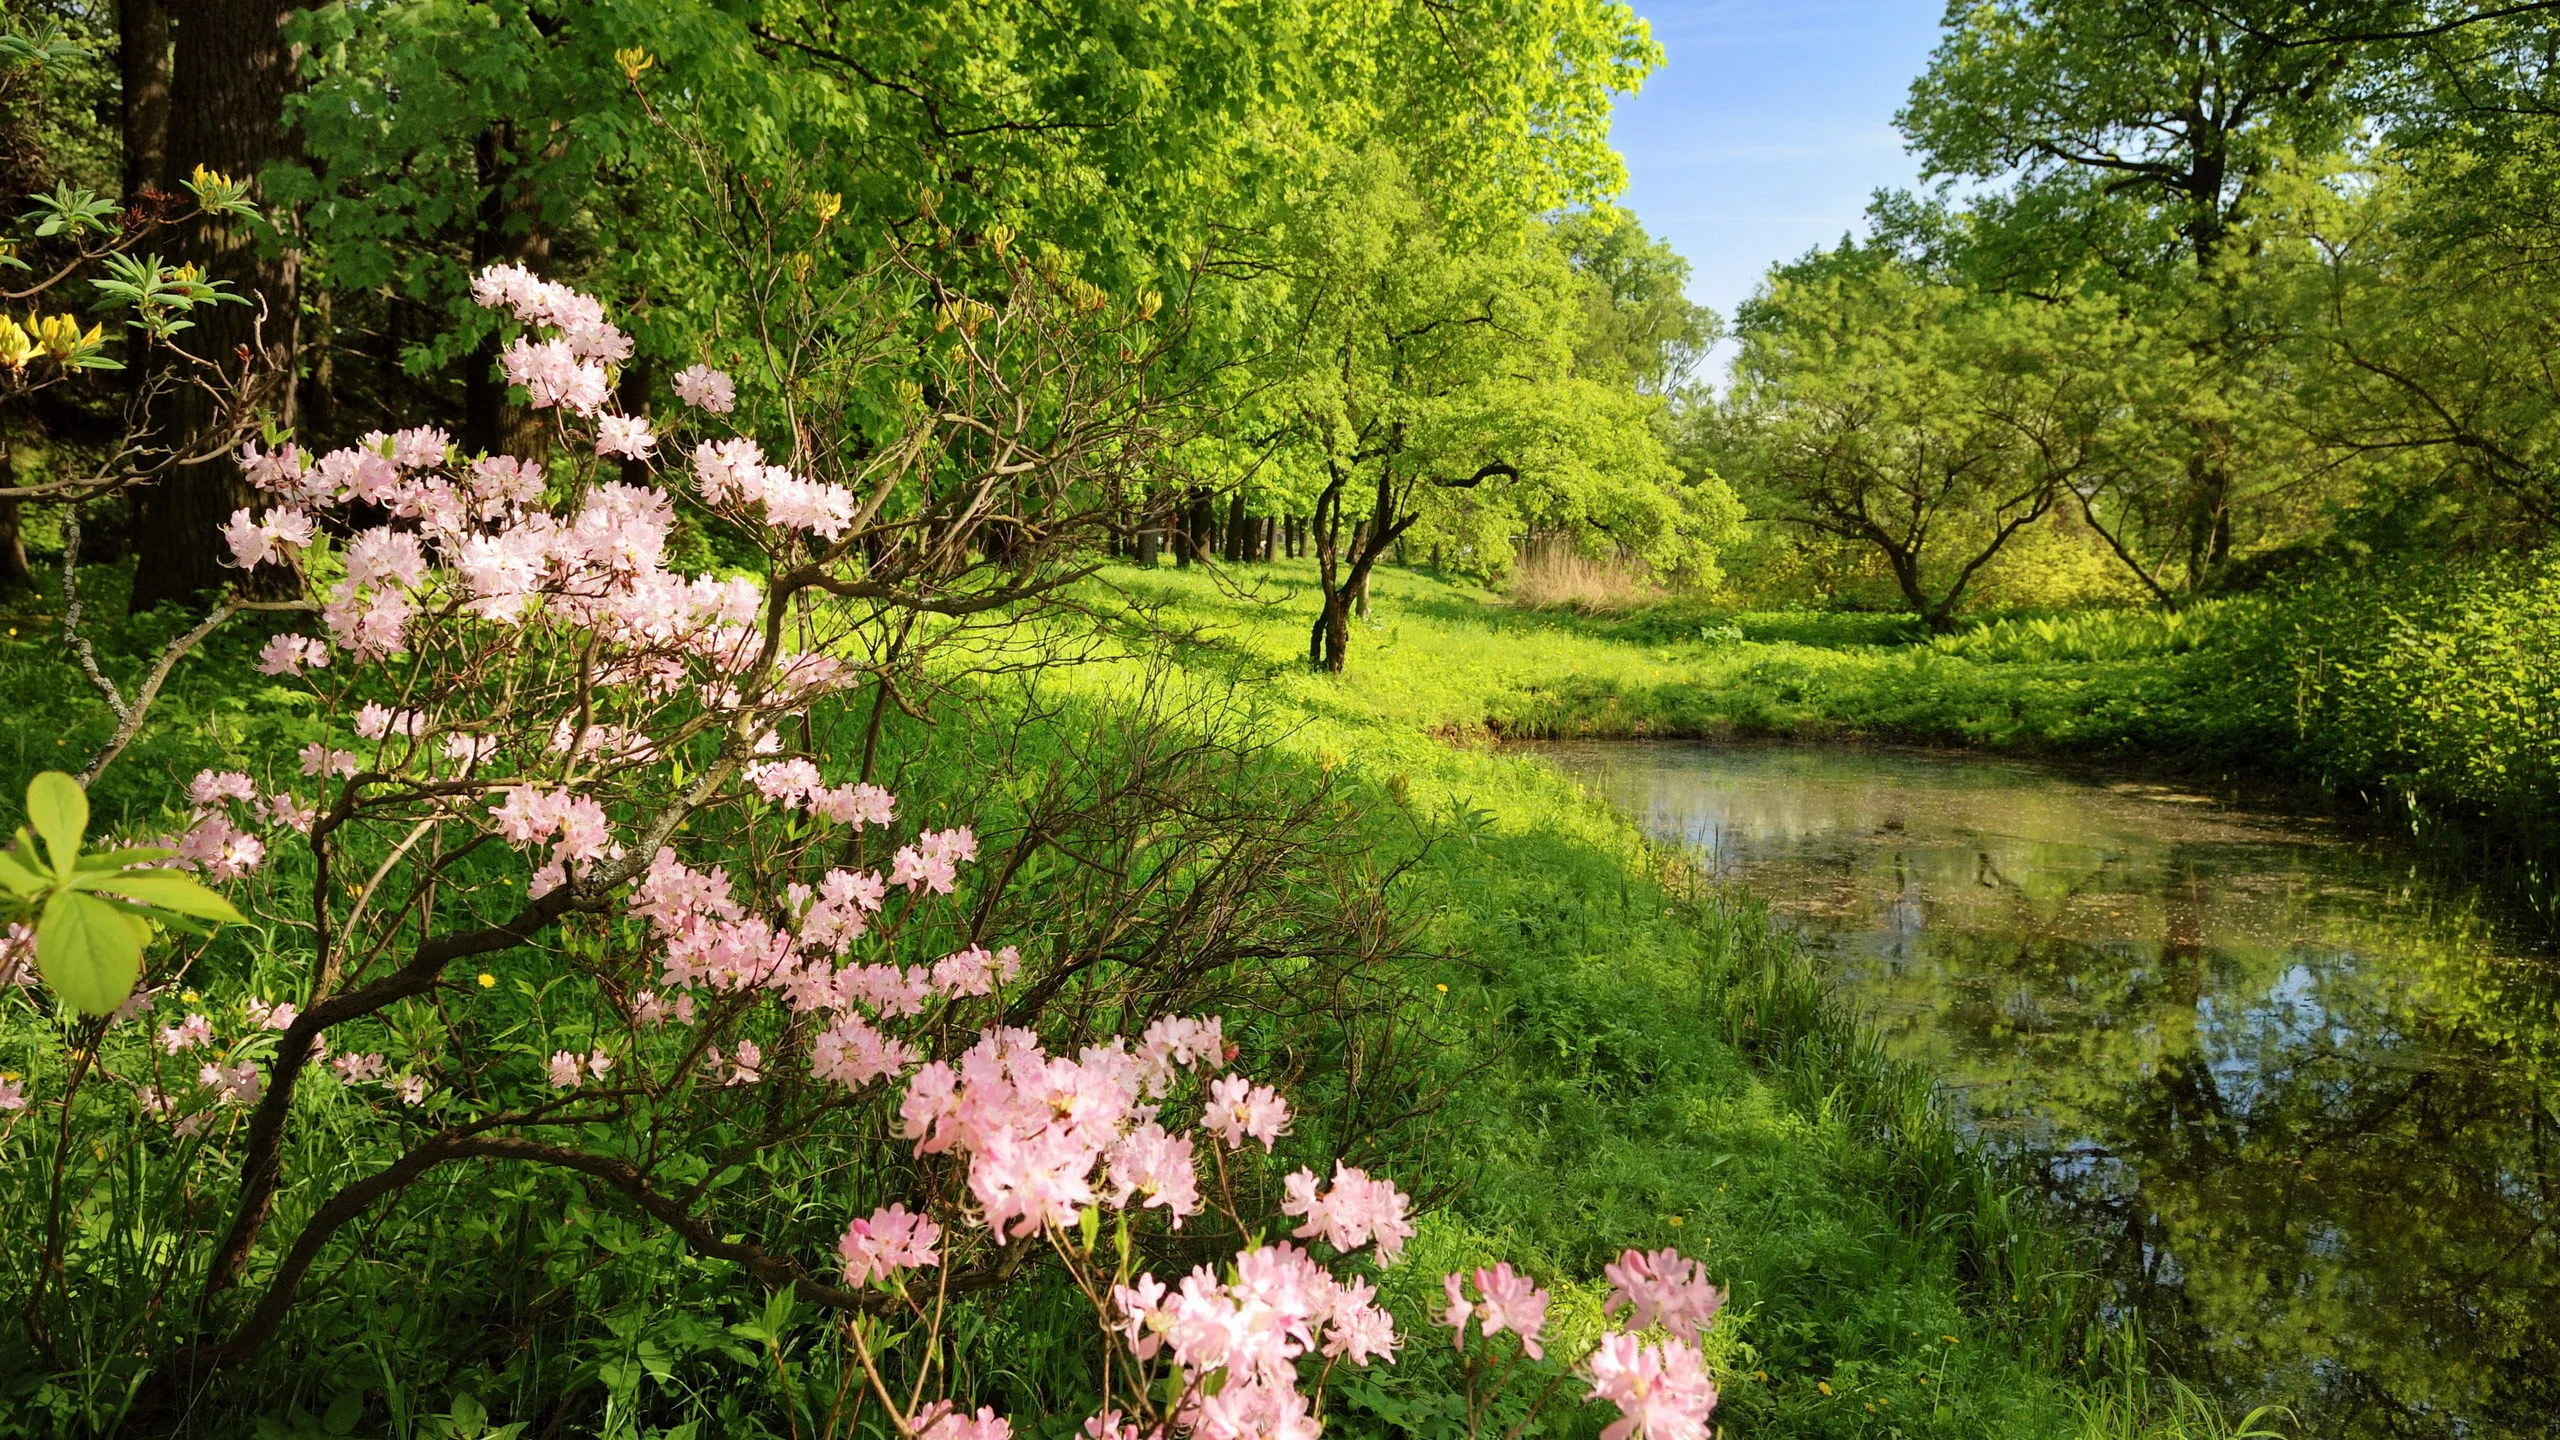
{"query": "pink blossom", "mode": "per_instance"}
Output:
(220, 849)
(1174, 1041)
(292, 654)
(375, 721)
(1109, 1425)
(1662, 1391)
(1665, 1287)
(233, 1084)
(939, 1421)
(855, 805)
(290, 813)
(975, 972)
(358, 1069)
(413, 1089)
(17, 954)
(278, 469)
(319, 759)
(213, 787)
(279, 1016)
(624, 436)
(706, 389)
(186, 1035)
(1506, 1300)
(1354, 1211)
(1358, 1327)
(566, 1071)
(1239, 1109)
(750, 1067)
(840, 916)
(853, 1054)
(1150, 1161)
(13, 1096)
(784, 781)
(419, 448)
(385, 556)
(887, 1242)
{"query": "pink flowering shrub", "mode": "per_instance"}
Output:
(594, 876)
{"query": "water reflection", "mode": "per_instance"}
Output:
(2303, 1092)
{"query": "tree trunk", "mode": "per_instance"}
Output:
(231, 75)
(1147, 546)
(142, 67)
(507, 230)
(1237, 523)
(1268, 540)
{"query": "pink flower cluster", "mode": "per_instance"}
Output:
(706, 389)
(732, 475)
(1505, 1300)
(1662, 1391)
(1664, 1287)
(1351, 1212)
(887, 1242)
(934, 861)
(1281, 1305)
(798, 784)
(215, 844)
(1035, 1127)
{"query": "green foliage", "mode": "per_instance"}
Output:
(96, 910)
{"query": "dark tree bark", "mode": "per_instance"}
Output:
(142, 65)
(1237, 523)
(231, 74)
(508, 229)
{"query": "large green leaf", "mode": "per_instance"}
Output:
(89, 951)
(59, 809)
(166, 889)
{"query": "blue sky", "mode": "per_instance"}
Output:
(1768, 128)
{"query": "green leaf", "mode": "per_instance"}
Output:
(89, 952)
(59, 809)
(163, 889)
(18, 879)
(119, 859)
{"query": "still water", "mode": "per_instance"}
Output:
(2301, 1090)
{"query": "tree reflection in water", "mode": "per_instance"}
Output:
(2302, 1092)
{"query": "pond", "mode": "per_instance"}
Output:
(2299, 1088)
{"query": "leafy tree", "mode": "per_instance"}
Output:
(2139, 142)
(1436, 382)
(1924, 421)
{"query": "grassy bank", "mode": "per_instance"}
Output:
(1642, 1063)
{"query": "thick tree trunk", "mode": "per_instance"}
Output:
(508, 229)
(231, 75)
(1147, 539)
(142, 66)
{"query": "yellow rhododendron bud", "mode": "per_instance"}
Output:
(634, 62)
(827, 205)
(16, 346)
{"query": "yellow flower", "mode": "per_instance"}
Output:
(1675, 1219)
(189, 996)
(487, 979)
(1443, 987)
(826, 205)
(1822, 1385)
(16, 346)
(634, 62)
